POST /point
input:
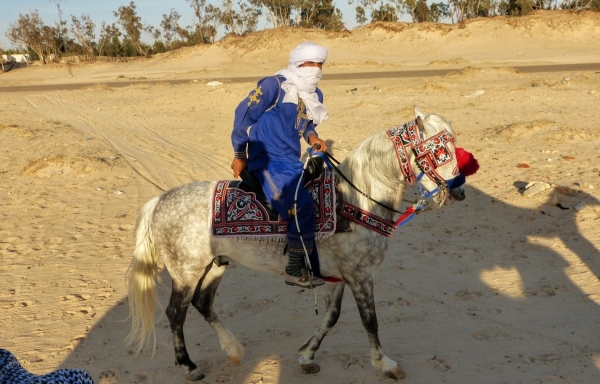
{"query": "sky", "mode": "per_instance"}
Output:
(150, 11)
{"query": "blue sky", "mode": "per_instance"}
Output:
(151, 12)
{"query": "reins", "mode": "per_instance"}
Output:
(389, 226)
(405, 216)
(328, 157)
(403, 136)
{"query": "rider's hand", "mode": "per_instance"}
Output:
(314, 139)
(238, 165)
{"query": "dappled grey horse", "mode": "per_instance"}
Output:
(174, 228)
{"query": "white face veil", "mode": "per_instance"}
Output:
(302, 81)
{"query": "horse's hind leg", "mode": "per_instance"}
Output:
(363, 295)
(203, 301)
(333, 298)
(176, 312)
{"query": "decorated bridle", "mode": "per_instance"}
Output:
(430, 154)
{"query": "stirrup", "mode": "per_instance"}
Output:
(304, 281)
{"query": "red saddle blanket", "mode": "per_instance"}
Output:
(243, 215)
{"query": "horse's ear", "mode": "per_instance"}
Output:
(419, 113)
(420, 124)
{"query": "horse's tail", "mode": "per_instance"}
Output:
(141, 281)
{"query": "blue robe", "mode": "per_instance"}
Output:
(267, 132)
(267, 128)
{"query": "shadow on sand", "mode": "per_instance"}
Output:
(480, 292)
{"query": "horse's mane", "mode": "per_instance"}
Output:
(371, 159)
(373, 167)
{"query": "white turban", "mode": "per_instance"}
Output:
(308, 51)
(301, 82)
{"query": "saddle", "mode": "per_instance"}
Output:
(241, 210)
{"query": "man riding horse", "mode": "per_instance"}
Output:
(266, 134)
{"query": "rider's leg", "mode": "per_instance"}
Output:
(279, 181)
(300, 236)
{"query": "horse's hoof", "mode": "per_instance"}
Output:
(195, 375)
(234, 360)
(395, 373)
(311, 368)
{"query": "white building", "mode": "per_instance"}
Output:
(17, 58)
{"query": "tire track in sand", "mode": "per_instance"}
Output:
(163, 163)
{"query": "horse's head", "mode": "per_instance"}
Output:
(443, 167)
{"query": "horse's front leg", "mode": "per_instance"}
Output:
(333, 299)
(363, 295)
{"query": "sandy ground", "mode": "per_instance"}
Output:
(501, 288)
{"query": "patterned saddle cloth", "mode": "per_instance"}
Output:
(242, 212)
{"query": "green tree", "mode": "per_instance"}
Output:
(362, 7)
(321, 14)
(279, 12)
(240, 20)
(132, 27)
(108, 34)
(590, 4)
(437, 12)
(52, 39)
(381, 10)
(420, 11)
(170, 25)
(30, 33)
(461, 10)
(84, 31)
(384, 13)
(130, 49)
(520, 7)
(544, 4)
(361, 16)
(205, 27)
(61, 37)
(62, 28)
(159, 47)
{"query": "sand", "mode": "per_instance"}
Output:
(500, 288)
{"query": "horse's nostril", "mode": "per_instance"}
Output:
(458, 193)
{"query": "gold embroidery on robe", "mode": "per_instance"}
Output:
(300, 117)
(255, 96)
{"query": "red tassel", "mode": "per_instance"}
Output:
(467, 163)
